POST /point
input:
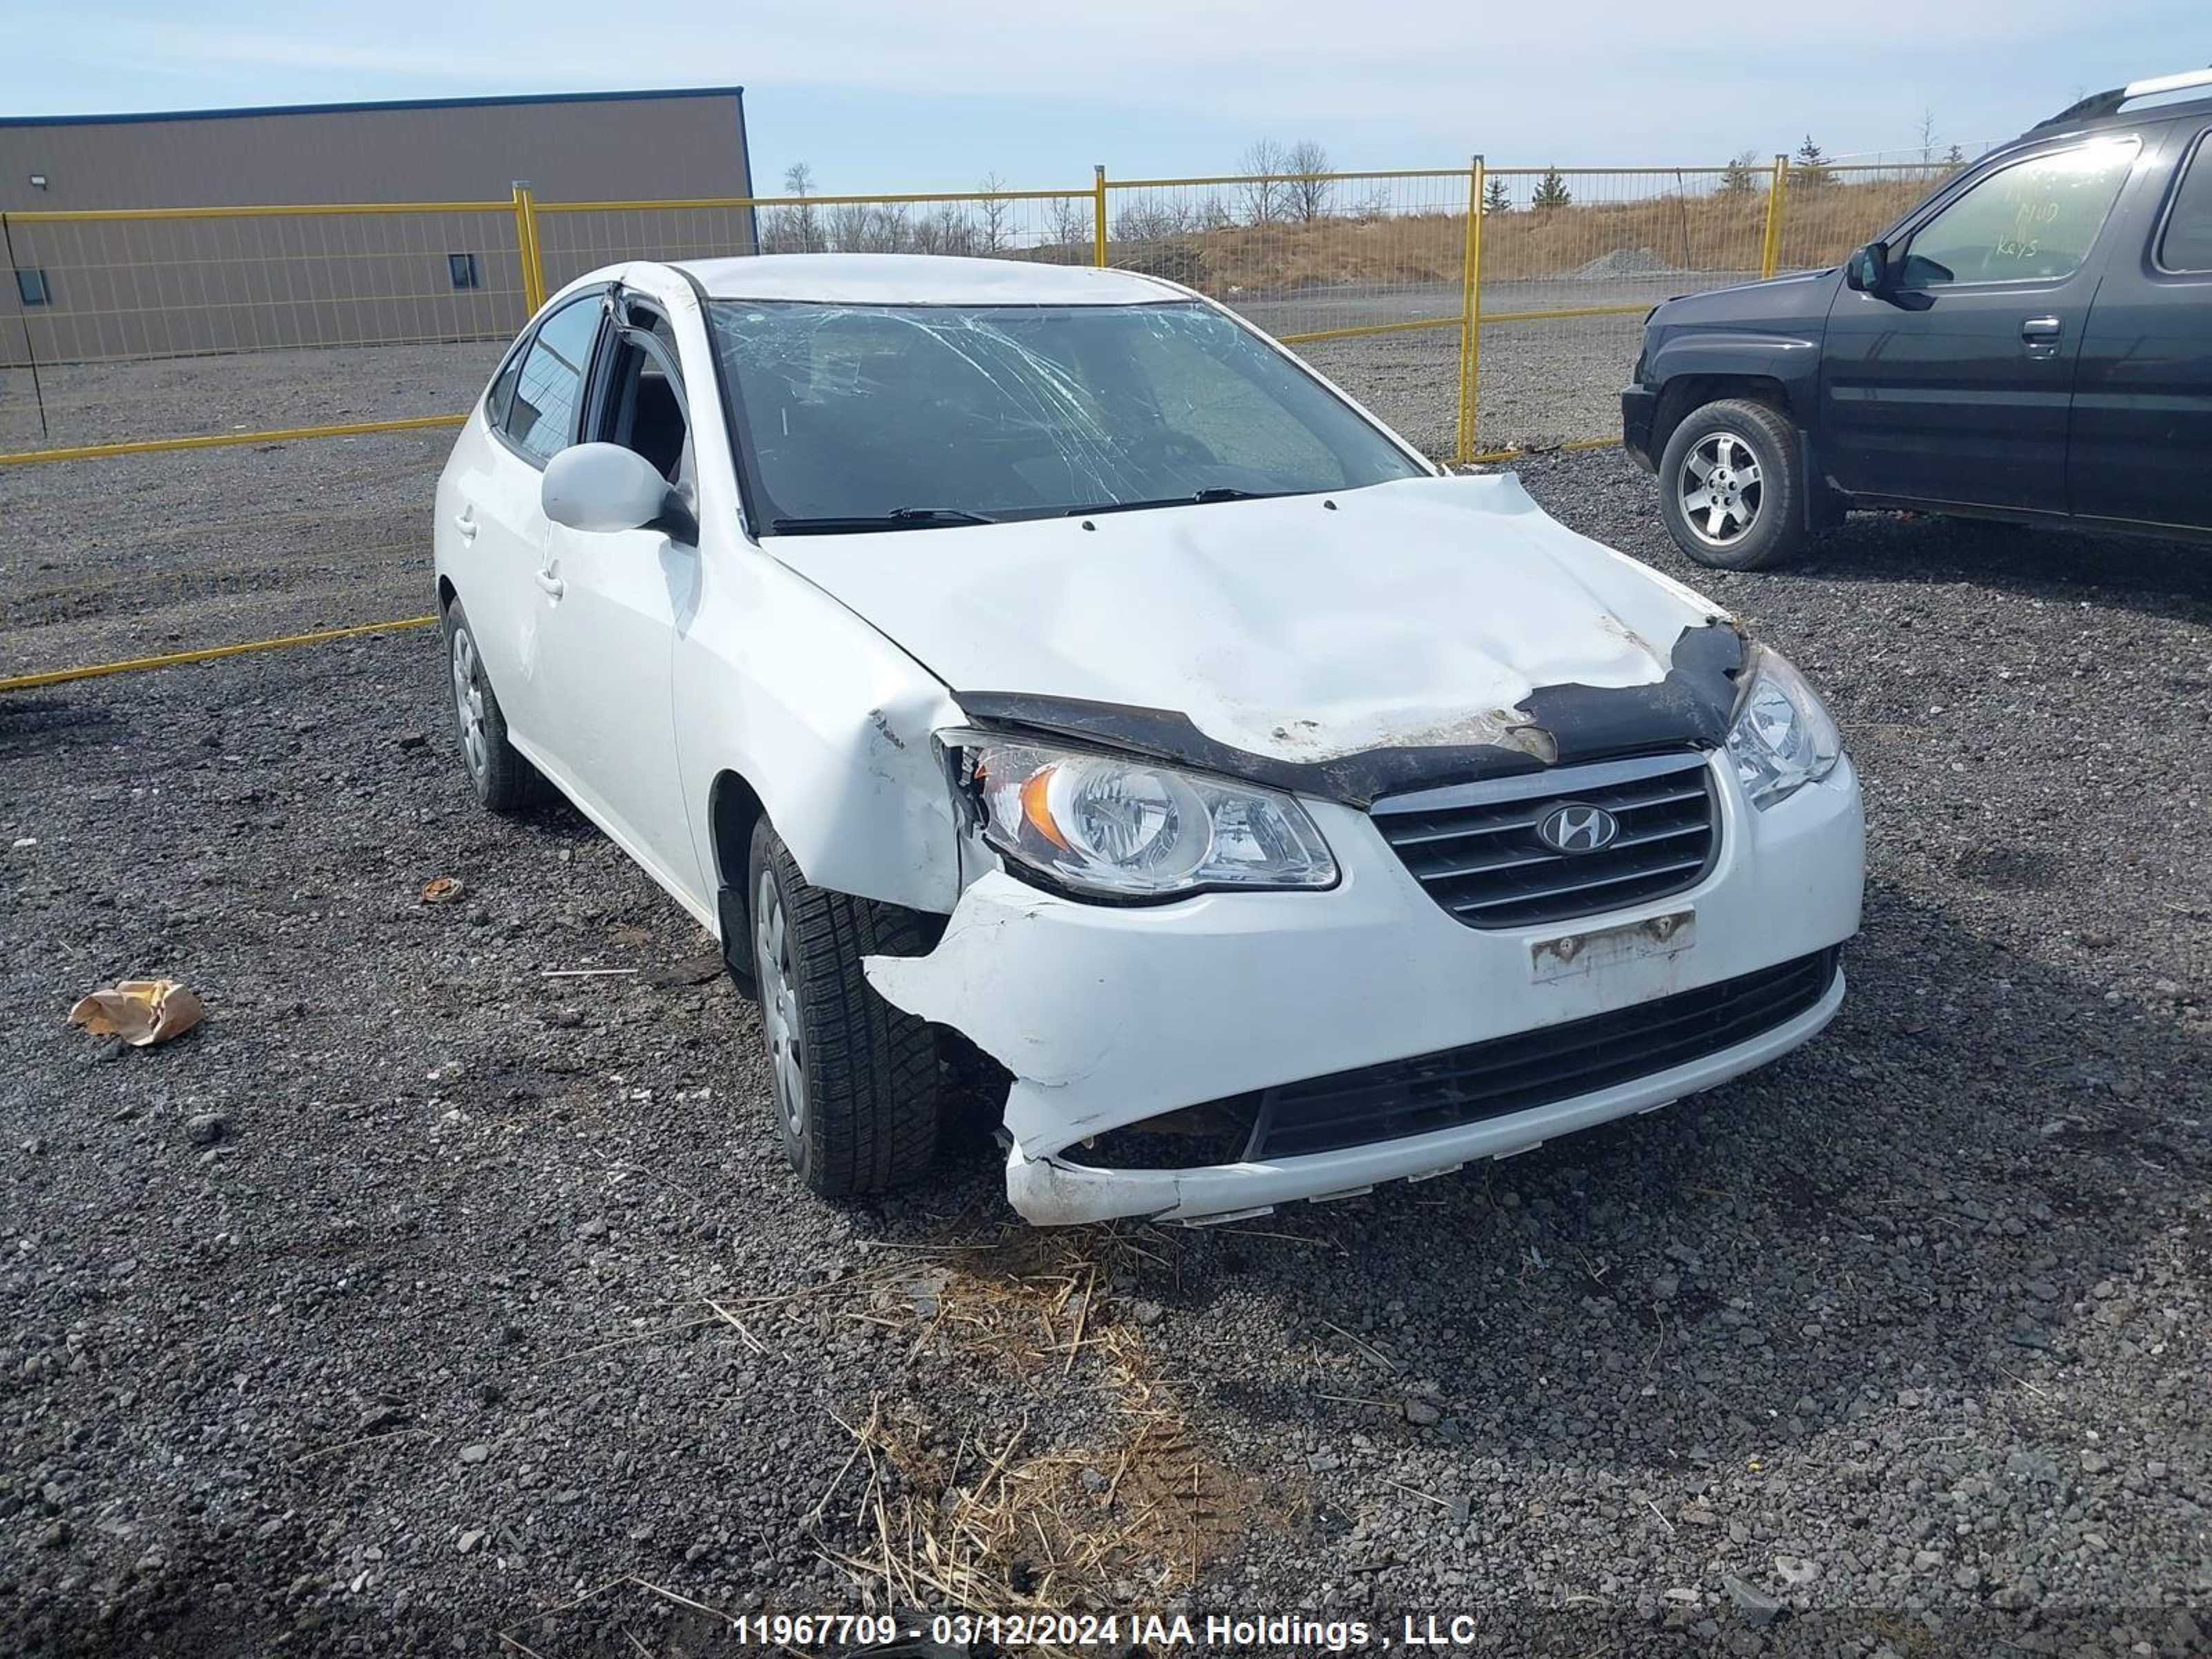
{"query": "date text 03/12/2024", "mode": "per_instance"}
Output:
(1158, 1632)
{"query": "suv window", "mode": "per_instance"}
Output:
(541, 420)
(2034, 220)
(2185, 243)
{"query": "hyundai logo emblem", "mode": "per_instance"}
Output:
(1575, 829)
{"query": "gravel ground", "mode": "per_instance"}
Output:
(416, 1298)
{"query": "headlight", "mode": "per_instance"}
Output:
(1125, 828)
(1781, 738)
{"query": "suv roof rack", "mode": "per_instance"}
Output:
(2110, 103)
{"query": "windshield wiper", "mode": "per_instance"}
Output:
(1220, 493)
(899, 518)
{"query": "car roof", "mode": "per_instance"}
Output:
(2159, 98)
(922, 279)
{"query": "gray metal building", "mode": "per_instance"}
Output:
(95, 290)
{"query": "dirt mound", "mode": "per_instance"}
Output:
(1625, 262)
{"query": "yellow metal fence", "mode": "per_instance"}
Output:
(167, 356)
(1392, 281)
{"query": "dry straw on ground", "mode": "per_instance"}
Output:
(1097, 1492)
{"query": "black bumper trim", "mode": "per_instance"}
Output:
(1509, 1074)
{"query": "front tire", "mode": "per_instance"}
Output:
(855, 1080)
(504, 781)
(1732, 486)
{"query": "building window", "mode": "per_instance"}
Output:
(462, 268)
(31, 288)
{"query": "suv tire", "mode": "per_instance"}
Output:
(1732, 486)
(504, 781)
(854, 1080)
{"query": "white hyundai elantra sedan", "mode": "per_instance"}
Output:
(1034, 675)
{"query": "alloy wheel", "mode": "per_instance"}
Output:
(469, 704)
(1720, 489)
(778, 1002)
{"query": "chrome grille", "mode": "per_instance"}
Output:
(1475, 846)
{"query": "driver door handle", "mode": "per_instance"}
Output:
(2040, 336)
(549, 584)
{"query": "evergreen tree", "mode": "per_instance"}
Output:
(1740, 176)
(1551, 192)
(1809, 167)
(1495, 199)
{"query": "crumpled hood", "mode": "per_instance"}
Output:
(1407, 615)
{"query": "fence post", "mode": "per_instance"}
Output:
(23, 317)
(526, 242)
(1470, 313)
(1099, 215)
(1770, 250)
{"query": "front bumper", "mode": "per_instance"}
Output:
(1639, 409)
(1108, 1016)
(1052, 1192)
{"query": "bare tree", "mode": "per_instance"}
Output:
(993, 229)
(1068, 218)
(864, 228)
(1267, 194)
(1150, 217)
(1375, 204)
(1311, 186)
(1927, 135)
(947, 230)
(796, 228)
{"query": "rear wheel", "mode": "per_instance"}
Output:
(855, 1080)
(1732, 488)
(504, 781)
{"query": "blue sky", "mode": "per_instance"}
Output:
(880, 95)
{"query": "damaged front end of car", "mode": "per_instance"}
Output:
(1221, 979)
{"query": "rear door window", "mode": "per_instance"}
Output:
(2033, 221)
(541, 420)
(2185, 241)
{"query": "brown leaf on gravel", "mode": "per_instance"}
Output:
(441, 890)
(142, 1011)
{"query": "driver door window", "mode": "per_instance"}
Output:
(2034, 220)
(642, 408)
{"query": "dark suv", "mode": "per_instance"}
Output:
(2033, 342)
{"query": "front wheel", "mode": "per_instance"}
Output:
(504, 781)
(855, 1080)
(1732, 486)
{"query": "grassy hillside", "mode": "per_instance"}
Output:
(1717, 231)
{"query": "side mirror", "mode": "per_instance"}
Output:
(1869, 271)
(604, 487)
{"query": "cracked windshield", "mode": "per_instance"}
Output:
(894, 417)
